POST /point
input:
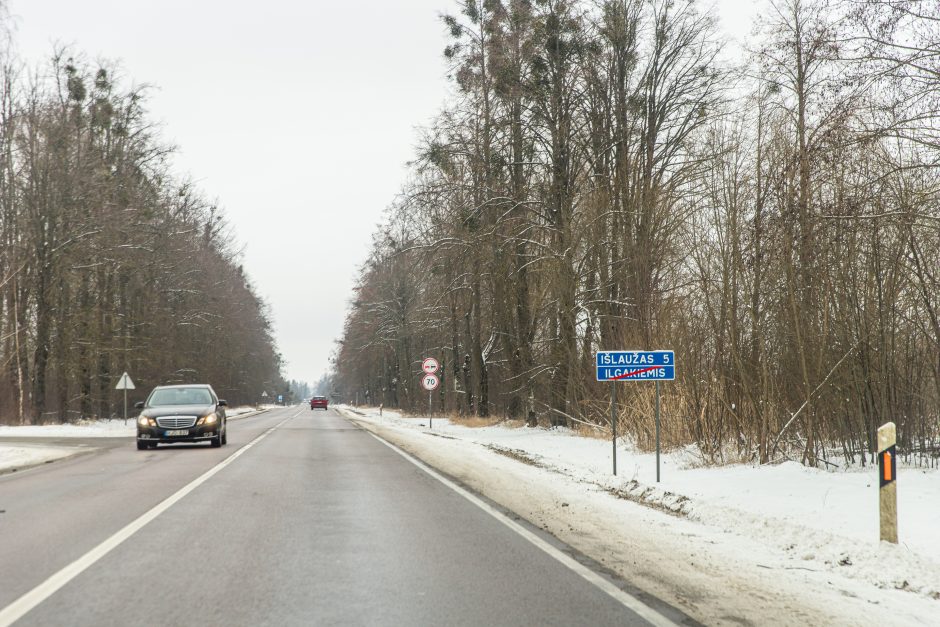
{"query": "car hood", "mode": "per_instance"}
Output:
(178, 410)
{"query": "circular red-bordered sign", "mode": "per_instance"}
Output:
(430, 382)
(430, 365)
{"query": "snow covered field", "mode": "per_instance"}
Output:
(30, 454)
(783, 518)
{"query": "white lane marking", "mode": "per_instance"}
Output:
(627, 600)
(16, 610)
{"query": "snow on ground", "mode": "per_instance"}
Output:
(235, 412)
(33, 453)
(83, 429)
(93, 428)
(815, 520)
(26, 455)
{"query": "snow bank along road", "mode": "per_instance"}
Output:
(303, 519)
(722, 562)
(24, 446)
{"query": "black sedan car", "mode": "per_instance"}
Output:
(181, 413)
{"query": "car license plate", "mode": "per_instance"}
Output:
(176, 432)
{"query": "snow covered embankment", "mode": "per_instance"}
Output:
(756, 542)
(20, 456)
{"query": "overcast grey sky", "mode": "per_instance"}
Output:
(297, 115)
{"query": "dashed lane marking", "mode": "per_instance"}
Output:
(16, 610)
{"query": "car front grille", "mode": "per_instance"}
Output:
(176, 422)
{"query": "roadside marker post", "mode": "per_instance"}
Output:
(125, 383)
(614, 366)
(887, 482)
(430, 381)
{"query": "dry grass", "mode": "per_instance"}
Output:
(476, 422)
(591, 431)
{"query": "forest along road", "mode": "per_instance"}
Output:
(310, 521)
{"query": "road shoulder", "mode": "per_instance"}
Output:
(712, 575)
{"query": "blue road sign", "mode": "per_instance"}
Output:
(636, 365)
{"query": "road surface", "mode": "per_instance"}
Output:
(311, 521)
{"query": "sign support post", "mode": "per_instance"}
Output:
(125, 383)
(430, 381)
(615, 366)
(887, 482)
(657, 432)
(613, 422)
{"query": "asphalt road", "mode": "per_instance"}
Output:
(316, 523)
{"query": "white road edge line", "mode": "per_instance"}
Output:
(627, 600)
(16, 610)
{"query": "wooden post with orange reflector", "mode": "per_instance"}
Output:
(887, 482)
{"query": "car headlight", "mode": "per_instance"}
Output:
(209, 419)
(144, 421)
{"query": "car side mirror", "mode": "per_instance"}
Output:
(139, 405)
(222, 403)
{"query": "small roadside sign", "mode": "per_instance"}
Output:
(636, 365)
(888, 466)
(125, 383)
(617, 366)
(430, 382)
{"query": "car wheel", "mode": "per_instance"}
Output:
(142, 446)
(225, 436)
(216, 442)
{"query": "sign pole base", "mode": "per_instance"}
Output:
(613, 422)
(657, 432)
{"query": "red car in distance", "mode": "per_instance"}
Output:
(319, 402)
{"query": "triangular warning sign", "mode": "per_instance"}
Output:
(125, 383)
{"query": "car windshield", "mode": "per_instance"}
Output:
(180, 396)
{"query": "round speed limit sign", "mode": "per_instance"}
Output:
(430, 382)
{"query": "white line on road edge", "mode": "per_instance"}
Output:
(16, 610)
(628, 601)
